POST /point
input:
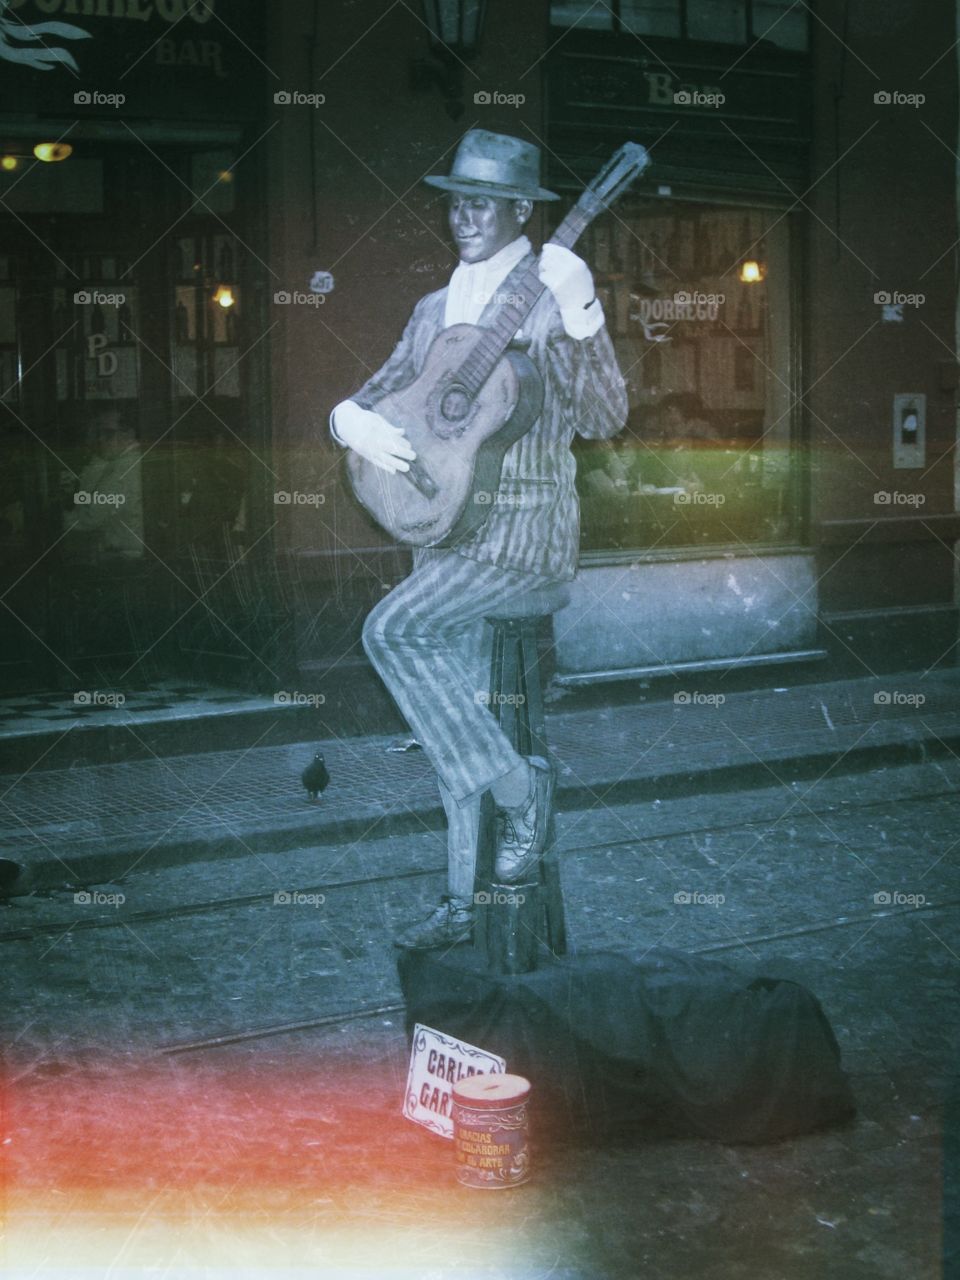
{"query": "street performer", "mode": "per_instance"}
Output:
(429, 639)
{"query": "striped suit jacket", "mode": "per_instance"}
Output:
(535, 526)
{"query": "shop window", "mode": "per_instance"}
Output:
(212, 458)
(658, 18)
(95, 320)
(581, 13)
(697, 300)
(722, 21)
(780, 22)
(14, 439)
(783, 23)
(206, 310)
(103, 507)
(97, 362)
(9, 361)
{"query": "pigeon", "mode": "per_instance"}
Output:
(315, 776)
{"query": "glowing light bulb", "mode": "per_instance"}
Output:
(9, 163)
(51, 152)
(752, 272)
(224, 296)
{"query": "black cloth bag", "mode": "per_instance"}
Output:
(661, 1044)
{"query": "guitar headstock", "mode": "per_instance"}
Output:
(623, 168)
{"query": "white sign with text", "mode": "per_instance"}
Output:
(437, 1062)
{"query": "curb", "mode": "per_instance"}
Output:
(107, 862)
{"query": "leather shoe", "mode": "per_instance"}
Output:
(445, 926)
(522, 833)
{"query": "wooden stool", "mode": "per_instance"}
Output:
(510, 920)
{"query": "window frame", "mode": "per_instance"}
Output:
(618, 27)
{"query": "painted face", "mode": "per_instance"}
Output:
(483, 225)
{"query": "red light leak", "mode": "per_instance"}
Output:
(287, 1130)
(181, 1122)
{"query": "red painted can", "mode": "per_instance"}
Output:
(490, 1131)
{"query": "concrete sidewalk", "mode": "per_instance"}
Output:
(90, 824)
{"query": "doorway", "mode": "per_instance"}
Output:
(135, 427)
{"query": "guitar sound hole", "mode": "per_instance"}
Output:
(455, 404)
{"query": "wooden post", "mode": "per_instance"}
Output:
(513, 930)
(511, 920)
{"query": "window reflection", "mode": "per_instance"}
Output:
(103, 507)
(705, 457)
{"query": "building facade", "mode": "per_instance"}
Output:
(135, 407)
(780, 286)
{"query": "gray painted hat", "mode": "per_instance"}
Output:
(494, 164)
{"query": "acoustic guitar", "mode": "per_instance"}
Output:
(475, 396)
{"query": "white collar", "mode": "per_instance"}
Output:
(500, 265)
(472, 284)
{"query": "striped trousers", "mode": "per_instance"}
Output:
(430, 643)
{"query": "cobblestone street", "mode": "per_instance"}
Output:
(283, 1153)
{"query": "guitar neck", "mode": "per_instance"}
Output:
(512, 312)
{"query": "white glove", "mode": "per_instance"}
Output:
(366, 433)
(569, 280)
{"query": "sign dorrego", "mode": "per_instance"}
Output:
(437, 1062)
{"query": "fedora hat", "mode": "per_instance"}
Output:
(494, 164)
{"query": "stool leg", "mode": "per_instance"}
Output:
(517, 702)
(506, 685)
(483, 876)
(534, 731)
(551, 892)
(535, 734)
